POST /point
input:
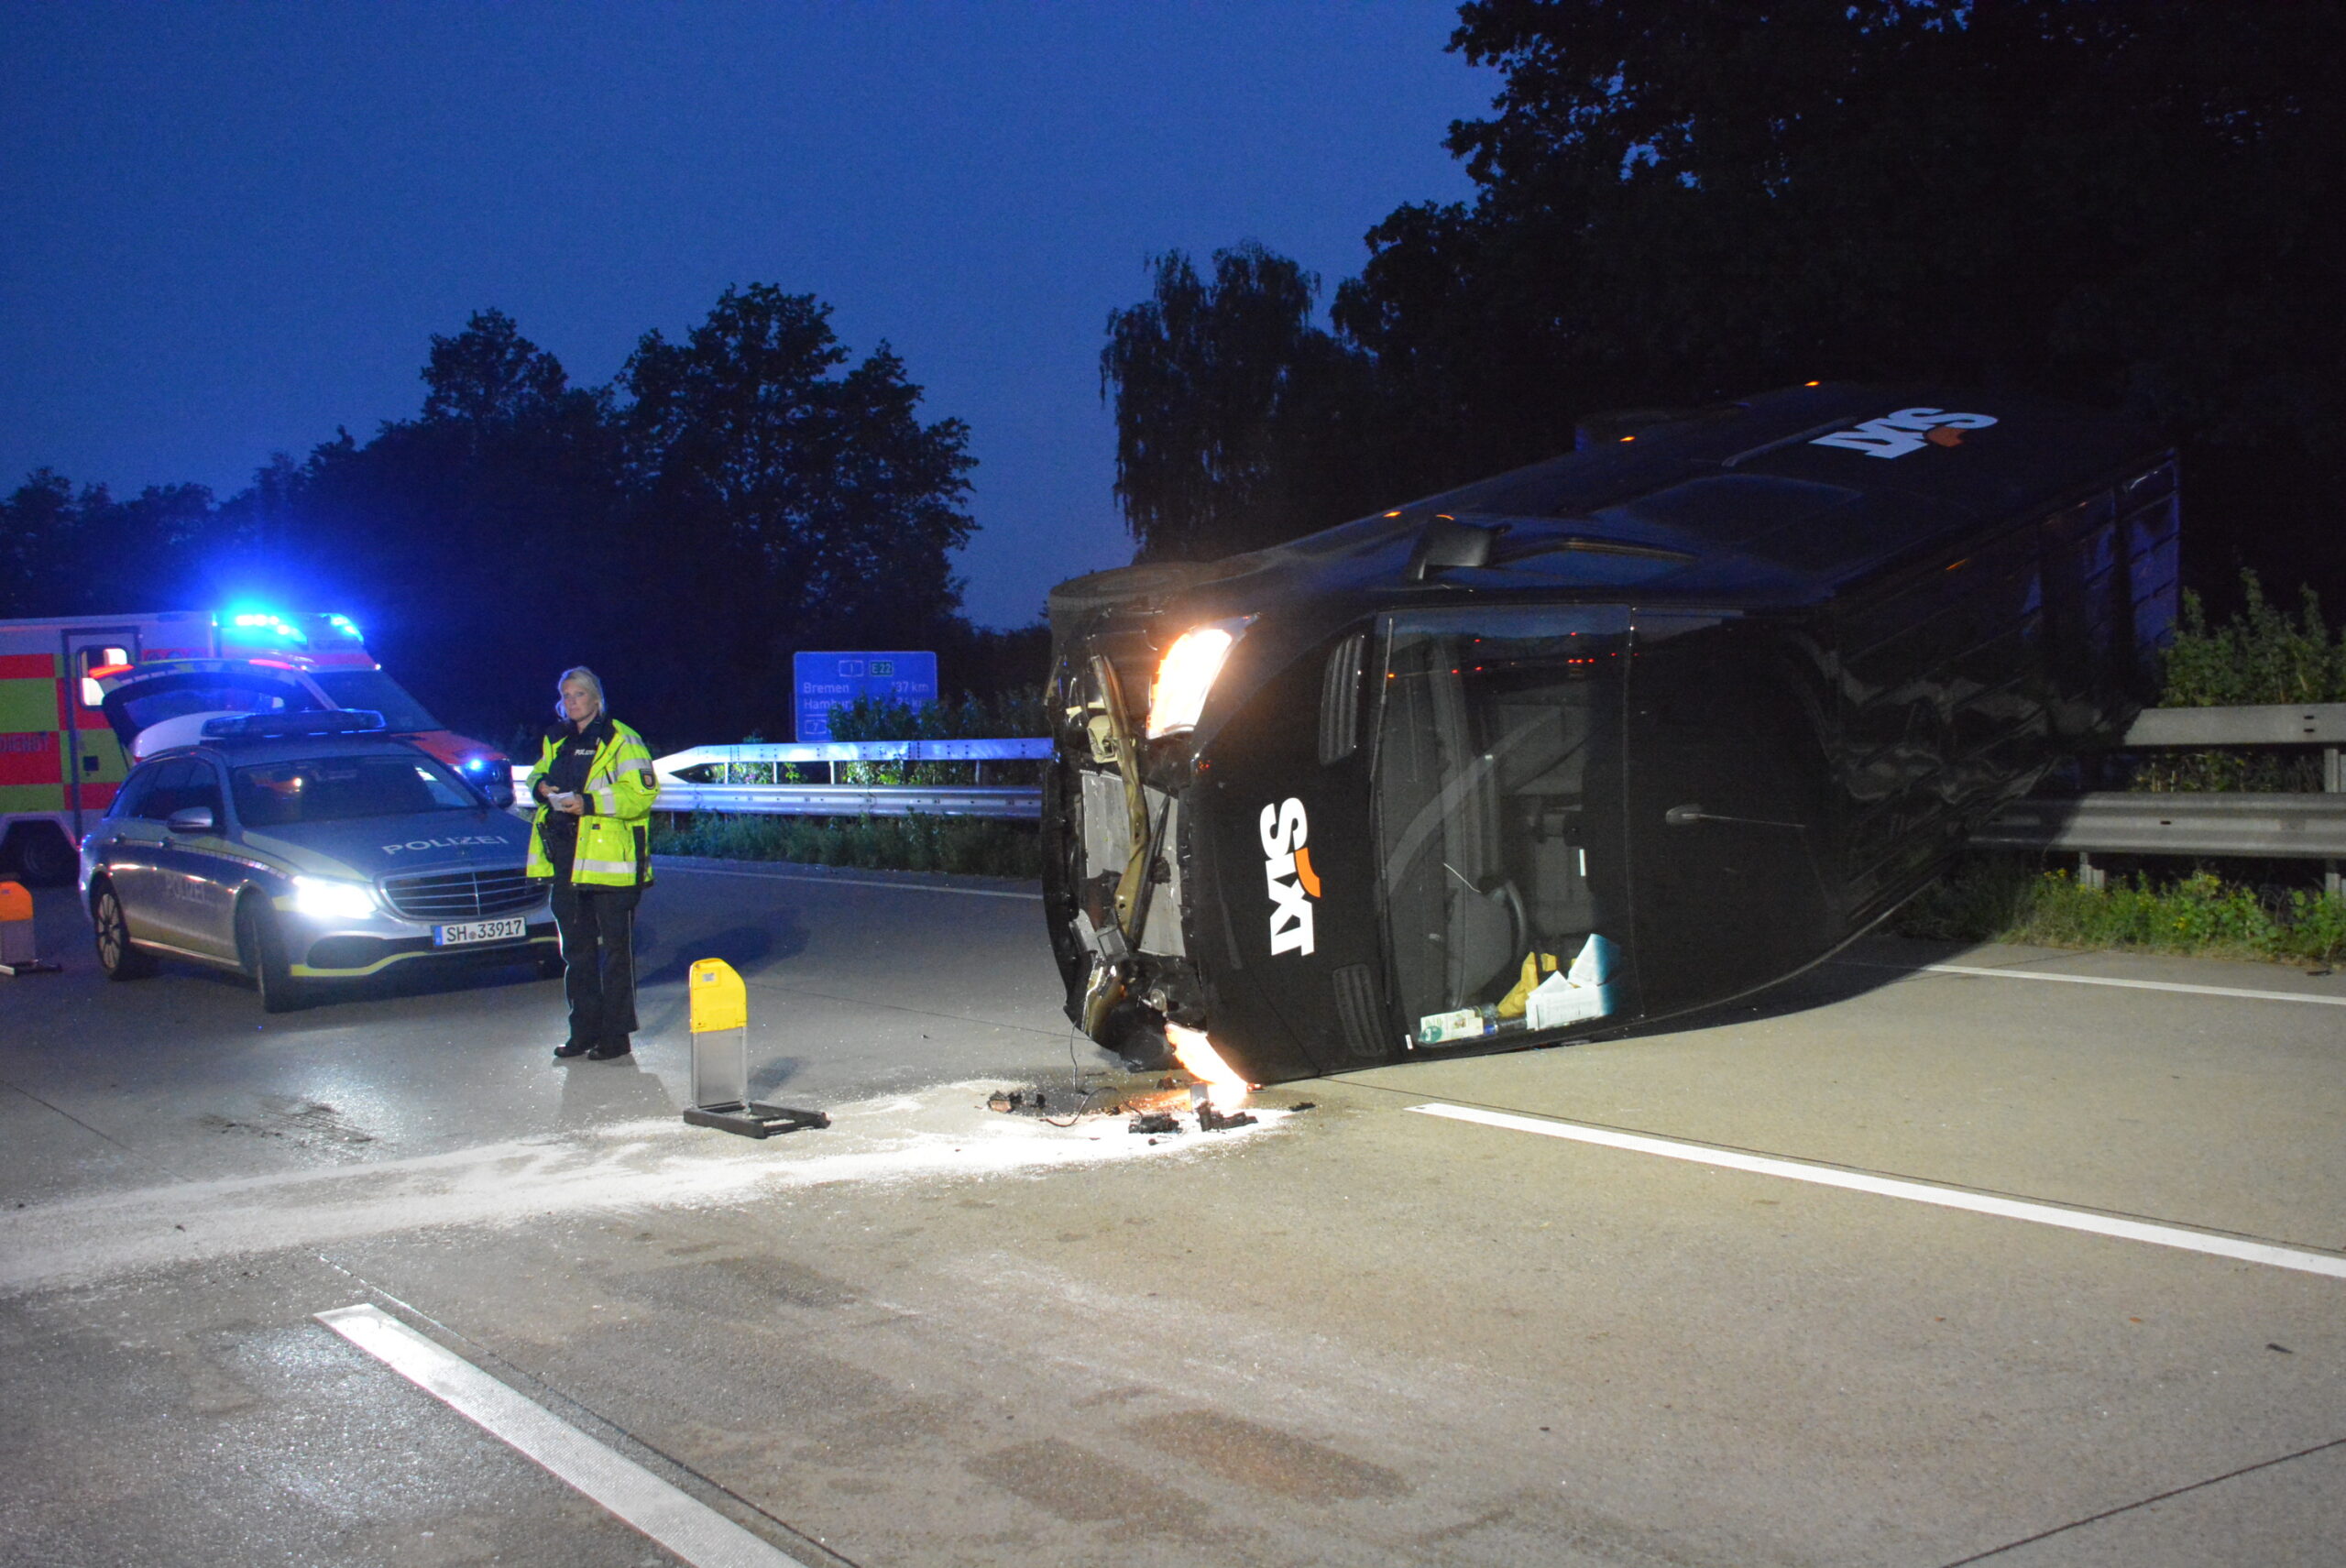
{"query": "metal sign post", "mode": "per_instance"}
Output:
(720, 1025)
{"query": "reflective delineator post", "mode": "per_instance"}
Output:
(720, 1027)
(17, 954)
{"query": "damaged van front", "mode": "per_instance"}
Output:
(1291, 899)
(1608, 739)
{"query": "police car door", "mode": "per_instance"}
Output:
(203, 869)
(137, 845)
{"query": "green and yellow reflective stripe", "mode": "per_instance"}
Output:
(602, 867)
(32, 797)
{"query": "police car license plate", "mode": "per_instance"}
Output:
(478, 931)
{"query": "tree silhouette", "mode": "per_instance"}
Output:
(1239, 423)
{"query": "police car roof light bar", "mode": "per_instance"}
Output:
(314, 721)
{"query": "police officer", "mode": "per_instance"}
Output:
(591, 835)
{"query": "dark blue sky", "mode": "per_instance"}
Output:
(225, 230)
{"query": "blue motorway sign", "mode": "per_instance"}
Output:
(825, 681)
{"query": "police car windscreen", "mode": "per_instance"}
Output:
(336, 789)
(1497, 770)
(373, 690)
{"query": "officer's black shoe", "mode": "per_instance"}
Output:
(612, 1049)
(572, 1048)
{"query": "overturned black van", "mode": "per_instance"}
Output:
(1600, 741)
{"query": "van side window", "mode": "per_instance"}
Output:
(93, 661)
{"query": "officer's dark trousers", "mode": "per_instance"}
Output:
(598, 929)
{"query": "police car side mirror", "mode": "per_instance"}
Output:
(190, 820)
(500, 796)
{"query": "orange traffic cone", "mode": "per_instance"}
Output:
(16, 933)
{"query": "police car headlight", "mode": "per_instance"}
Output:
(1184, 677)
(331, 900)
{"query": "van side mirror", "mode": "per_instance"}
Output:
(190, 820)
(1448, 542)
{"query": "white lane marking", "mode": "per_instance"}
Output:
(687, 1527)
(2238, 1247)
(859, 881)
(2097, 980)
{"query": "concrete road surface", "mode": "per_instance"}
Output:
(1902, 1265)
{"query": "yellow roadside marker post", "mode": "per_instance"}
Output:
(720, 1025)
(16, 952)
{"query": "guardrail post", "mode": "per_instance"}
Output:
(2088, 874)
(2333, 782)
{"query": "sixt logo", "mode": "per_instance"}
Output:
(1286, 868)
(1895, 436)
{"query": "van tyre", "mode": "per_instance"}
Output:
(44, 855)
(262, 948)
(117, 956)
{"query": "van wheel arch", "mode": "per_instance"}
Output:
(41, 852)
(261, 951)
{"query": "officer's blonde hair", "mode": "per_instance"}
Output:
(578, 673)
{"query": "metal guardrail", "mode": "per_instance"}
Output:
(2308, 724)
(1003, 802)
(1034, 750)
(2246, 826)
(1006, 803)
(2252, 826)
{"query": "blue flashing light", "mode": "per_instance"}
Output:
(346, 626)
(476, 764)
(263, 620)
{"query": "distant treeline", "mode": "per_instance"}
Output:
(2137, 205)
(724, 502)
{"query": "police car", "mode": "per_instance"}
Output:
(304, 849)
(1604, 739)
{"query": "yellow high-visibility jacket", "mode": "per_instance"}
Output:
(614, 835)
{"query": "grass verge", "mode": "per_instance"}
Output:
(1996, 899)
(964, 845)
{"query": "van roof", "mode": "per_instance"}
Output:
(1818, 483)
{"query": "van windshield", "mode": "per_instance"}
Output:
(1497, 817)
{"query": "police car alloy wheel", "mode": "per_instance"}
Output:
(116, 955)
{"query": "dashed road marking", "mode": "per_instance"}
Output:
(690, 1528)
(2243, 1248)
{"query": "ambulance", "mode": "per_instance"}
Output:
(77, 692)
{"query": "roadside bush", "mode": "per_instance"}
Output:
(2260, 655)
(1997, 899)
(962, 845)
(1008, 716)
